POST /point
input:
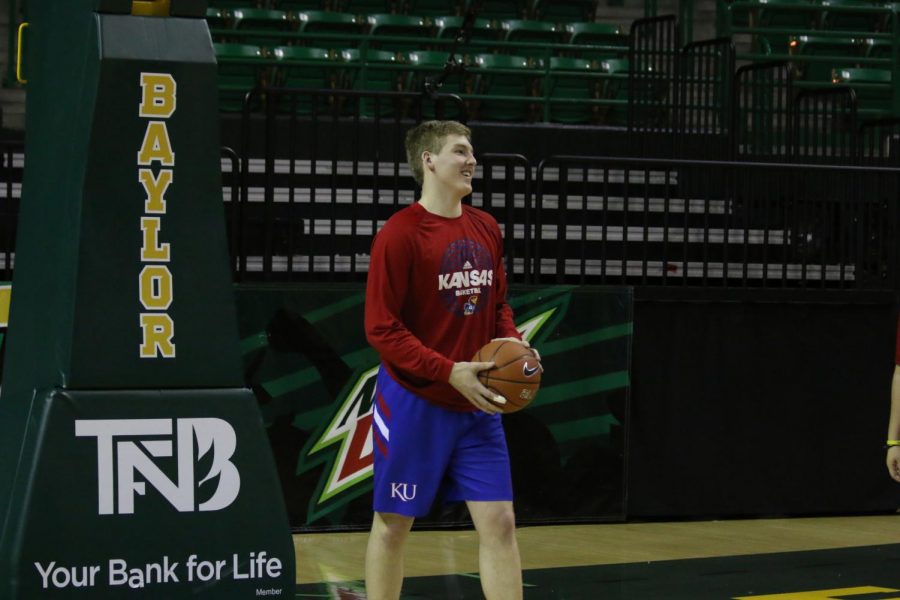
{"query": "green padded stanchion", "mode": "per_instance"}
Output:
(133, 461)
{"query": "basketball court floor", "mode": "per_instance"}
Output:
(846, 558)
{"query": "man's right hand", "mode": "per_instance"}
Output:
(893, 462)
(464, 377)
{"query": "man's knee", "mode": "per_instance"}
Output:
(504, 527)
(497, 522)
(391, 529)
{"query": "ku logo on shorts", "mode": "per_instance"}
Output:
(402, 491)
(423, 452)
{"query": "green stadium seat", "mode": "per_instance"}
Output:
(501, 10)
(430, 63)
(305, 68)
(329, 23)
(385, 25)
(299, 5)
(374, 71)
(572, 79)
(531, 32)
(872, 86)
(610, 40)
(879, 48)
(241, 67)
(425, 64)
(503, 75)
(847, 19)
(784, 14)
(737, 16)
(229, 4)
(820, 46)
(366, 7)
(262, 20)
(562, 11)
(217, 18)
(482, 37)
(431, 8)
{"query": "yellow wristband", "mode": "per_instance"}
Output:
(893, 443)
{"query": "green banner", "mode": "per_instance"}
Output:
(307, 359)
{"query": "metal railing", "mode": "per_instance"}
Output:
(676, 224)
(706, 224)
(647, 222)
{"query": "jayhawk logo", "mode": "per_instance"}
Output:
(469, 306)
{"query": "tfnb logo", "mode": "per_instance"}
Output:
(128, 447)
(401, 490)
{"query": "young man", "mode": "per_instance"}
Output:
(436, 293)
(893, 433)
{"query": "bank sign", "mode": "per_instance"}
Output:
(140, 505)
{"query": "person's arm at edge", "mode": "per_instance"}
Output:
(893, 433)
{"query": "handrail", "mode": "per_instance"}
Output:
(21, 38)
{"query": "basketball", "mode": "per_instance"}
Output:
(516, 374)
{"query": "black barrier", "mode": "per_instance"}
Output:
(668, 223)
(230, 194)
(879, 142)
(514, 186)
(825, 126)
(12, 158)
(313, 206)
(654, 222)
(653, 64)
(706, 89)
(762, 114)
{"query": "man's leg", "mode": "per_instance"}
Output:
(384, 555)
(498, 551)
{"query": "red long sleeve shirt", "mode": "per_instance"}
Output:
(436, 293)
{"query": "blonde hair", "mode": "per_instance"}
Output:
(430, 136)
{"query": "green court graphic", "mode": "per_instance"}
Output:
(306, 356)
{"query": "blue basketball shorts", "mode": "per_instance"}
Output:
(423, 451)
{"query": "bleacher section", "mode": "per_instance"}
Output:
(823, 41)
(514, 57)
(516, 50)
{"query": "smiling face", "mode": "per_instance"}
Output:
(451, 170)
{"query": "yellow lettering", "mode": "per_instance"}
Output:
(156, 287)
(156, 145)
(821, 594)
(158, 331)
(158, 101)
(152, 250)
(157, 95)
(155, 188)
(5, 294)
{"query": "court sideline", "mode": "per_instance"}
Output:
(783, 559)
